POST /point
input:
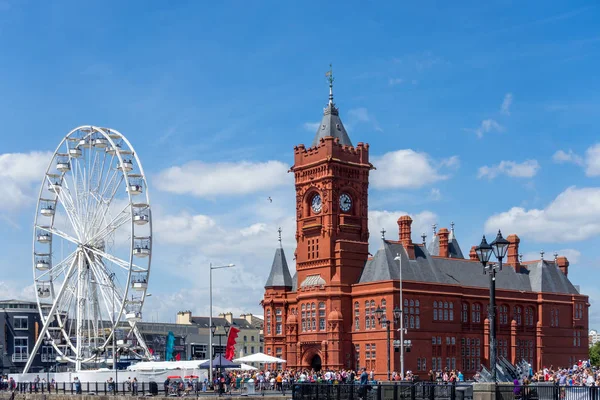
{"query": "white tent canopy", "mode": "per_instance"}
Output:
(260, 358)
(246, 367)
(165, 365)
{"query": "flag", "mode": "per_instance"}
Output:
(178, 357)
(328, 73)
(231, 340)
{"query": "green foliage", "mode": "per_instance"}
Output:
(595, 354)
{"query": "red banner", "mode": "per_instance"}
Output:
(231, 340)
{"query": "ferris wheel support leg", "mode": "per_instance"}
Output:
(40, 338)
(140, 339)
(80, 313)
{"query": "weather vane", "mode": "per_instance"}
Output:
(329, 75)
(279, 231)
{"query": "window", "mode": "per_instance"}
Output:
(245, 338)
(471, 352)
(245, 350)
(321, 306)
(356, 316)
(21, 349)
(529, 316)
(48, 354)
(367, 351)
(278, 328)
(476, 313)
(383, 307)
(518, 310)
(303, 325)
(314, 324)
(503, 315)
(445, 312)
(20, 323)
(435, 311)
(373, 355)
(554, 321)
(451, 312)
(464, 317)
(269, 321)
(252, 338)
(578, 311)
(357, 356)
(321, 324)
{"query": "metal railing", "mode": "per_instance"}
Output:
(383, 391)
(20, 357)
(546, 391)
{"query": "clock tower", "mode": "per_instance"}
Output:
(332, 181)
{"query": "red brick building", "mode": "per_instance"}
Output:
(323, 316)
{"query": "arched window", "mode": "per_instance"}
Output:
(314, 324)
(518, 311)
(503, 315)
(529, 316)
(435, 311)
(367, 323)
(314, 306)
(303, 307)
(373, 325)
(383, 307)
(321, 305)
(446, 311)
(356, 323)
(464, 316)
(417, 322)
(373, 304)
(451, 311)
(412, 322)
(476, 313)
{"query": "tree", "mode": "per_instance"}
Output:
(595, 354)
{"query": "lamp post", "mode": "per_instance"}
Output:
(213, 330)
(484, 251)
(401, 317)
(210, 324)
(386, 323)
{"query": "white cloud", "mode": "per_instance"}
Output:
(388, 220)
(362, 115)
(435, 194)
(592, 160)
(208, 180)
(183, 228)
(409, 169)
(395, 81)
(573, 215)
(526, 169)
(311, 126)
(506, 103)
(488, 125)
(562, 156)
(21, 175)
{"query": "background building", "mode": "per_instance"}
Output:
(594, 337)
(324, 315)
(20, 323)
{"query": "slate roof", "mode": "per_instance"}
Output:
(542, 276)
(202, 322)
(295, 282)
(331, 125)
(280, 273)
(454, 250)
(313, 280)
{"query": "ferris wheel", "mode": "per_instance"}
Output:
(92, 246)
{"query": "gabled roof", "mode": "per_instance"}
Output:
(280, 273)
(538, 277)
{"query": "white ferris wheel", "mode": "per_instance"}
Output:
(92, 246)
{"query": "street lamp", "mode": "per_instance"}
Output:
(401, 316)
(386, 323)
(210, 324)
(484, 251)
(213, 330)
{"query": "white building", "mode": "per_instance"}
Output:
(594, 337)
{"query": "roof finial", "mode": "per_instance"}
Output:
(452, 226)
(424, 236)
(542, 254)
(329, 75)
(383, 234)
(521, 258)
(279, 231)
(434, 226)
(555, 256)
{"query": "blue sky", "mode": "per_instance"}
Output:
(481, 113)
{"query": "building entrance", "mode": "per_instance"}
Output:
(316, 362)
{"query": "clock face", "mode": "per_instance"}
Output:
(316, 203)
(345, 202)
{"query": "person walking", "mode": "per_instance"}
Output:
(364, 381)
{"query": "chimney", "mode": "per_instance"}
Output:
(228, 317)
(247, 317)
(513, 252)
(563, 265)
(404, 223)
(184, 318)
(473, 254)
(443, 238)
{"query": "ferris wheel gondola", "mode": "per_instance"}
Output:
(92, 245)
